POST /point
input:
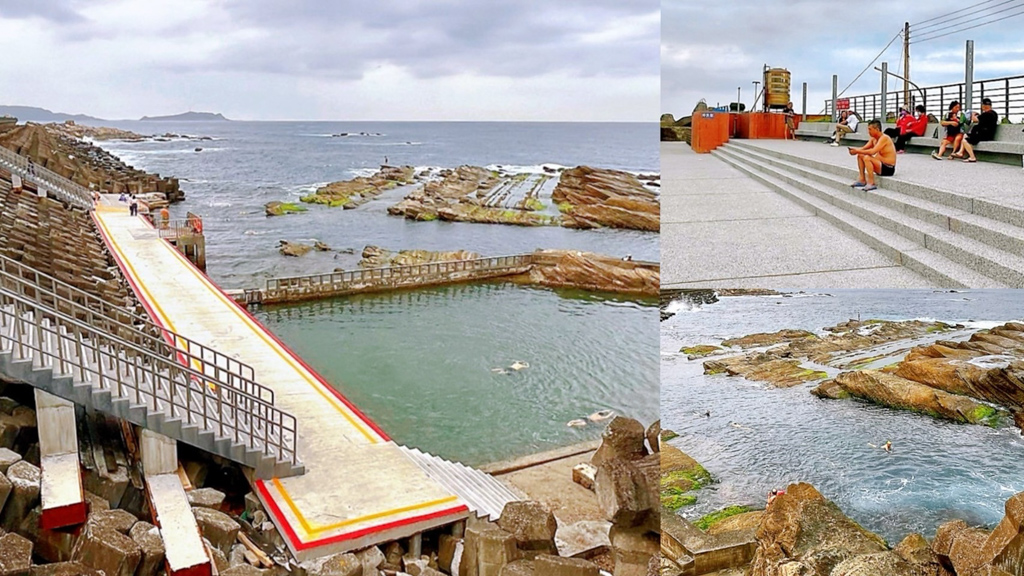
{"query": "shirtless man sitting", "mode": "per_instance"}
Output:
(878, 156)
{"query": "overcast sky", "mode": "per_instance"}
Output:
(584, 60)
(710, 48)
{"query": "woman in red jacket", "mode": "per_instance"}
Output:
(916, 126)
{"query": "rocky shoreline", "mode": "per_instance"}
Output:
(56, 147)
(119, 537)
(979, 380)
(586, 197)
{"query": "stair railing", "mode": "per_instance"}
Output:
(56, 341)
(126, 324)
(61, 187)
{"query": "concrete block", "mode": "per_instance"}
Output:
(207, 498)
(5, 490)
(632, 550)
(24, 495)
(107, 550)
(337, 565)
(15, 555)
(371, 559)
(117, 520)
(147, 537)
(446, 551)
(7, 458)
(583, 474)
(50, 545)
(583, 539)
(532, 525)
(518, 568)
(216, 527)
(110, 486)
(63, 569)
(556, 566)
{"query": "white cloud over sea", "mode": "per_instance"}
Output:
(710, 49)
(594, 60)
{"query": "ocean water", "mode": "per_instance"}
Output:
(419, 362)
(759, 439)
(252, 163)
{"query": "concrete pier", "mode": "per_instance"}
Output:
(359, 488)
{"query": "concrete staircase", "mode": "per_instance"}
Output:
(945, 237)
(482, 493)
(80, 363)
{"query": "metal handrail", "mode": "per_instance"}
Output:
(385, 273)
(173, 229)
(1007, 94)
(91, 355)
(49, 291)
(63, 188)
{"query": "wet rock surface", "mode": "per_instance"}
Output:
(590, 271)
(594, 197)
(353, 193)
(377, 257)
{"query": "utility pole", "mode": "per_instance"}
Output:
(756, 83)
(738, 99)
(906, 66)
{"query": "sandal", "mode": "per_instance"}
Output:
(870, 187)
(971, 160)
(936, 156)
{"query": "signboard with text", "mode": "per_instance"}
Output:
(843, 104)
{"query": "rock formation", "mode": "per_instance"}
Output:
(87, 165)
(569, 268)
(594, 197)
(377, 257)
(276, 208)
(472, 194)
(293, 248)
(355, 192)
(680, 475)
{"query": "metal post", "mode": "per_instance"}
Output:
(738, 99)
(885, 87)
(835, 96)
(803, 117)
(906, 66)
(969, 77)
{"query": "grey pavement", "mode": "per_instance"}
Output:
(722, 229)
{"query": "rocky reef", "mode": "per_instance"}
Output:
(594, 198)
(474, 194)
(590, 271)
(377, 257)
(680, 475)
(977, 380)
(51, 147)
(355, 192)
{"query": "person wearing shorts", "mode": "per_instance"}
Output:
(790, 125)
(954, 135)
(983, 130)
(878, 156)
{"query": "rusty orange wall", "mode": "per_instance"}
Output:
(710, 130)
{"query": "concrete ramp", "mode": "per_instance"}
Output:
(63, 501)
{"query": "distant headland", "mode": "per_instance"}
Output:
(187, 117)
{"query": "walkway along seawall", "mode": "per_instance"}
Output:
(552, 268)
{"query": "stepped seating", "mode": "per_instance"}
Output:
(1007, 147)
(951, 238)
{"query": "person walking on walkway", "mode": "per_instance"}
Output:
(984, 129)
(790, 126)
(133, 206)
(878, 156)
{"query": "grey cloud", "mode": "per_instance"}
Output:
(57, 11)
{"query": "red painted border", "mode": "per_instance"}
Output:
(63, 516)
(359, 414)
(299, 545)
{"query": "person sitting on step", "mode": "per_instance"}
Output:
(878, 156)
(847, 124)
(952, 121)
(983, 130)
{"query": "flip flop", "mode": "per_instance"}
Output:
(870, 187)
(936, 156)
(858, 184)
(971, 160)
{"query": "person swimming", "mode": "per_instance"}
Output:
(887, 446)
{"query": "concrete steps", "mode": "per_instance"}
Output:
(132, 390)
(952, 240)
(483, 494)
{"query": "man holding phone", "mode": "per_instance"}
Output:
(878, 156)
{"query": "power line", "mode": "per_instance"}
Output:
(927, 38)
(953, 13)
(898, 34)
(976, 18)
